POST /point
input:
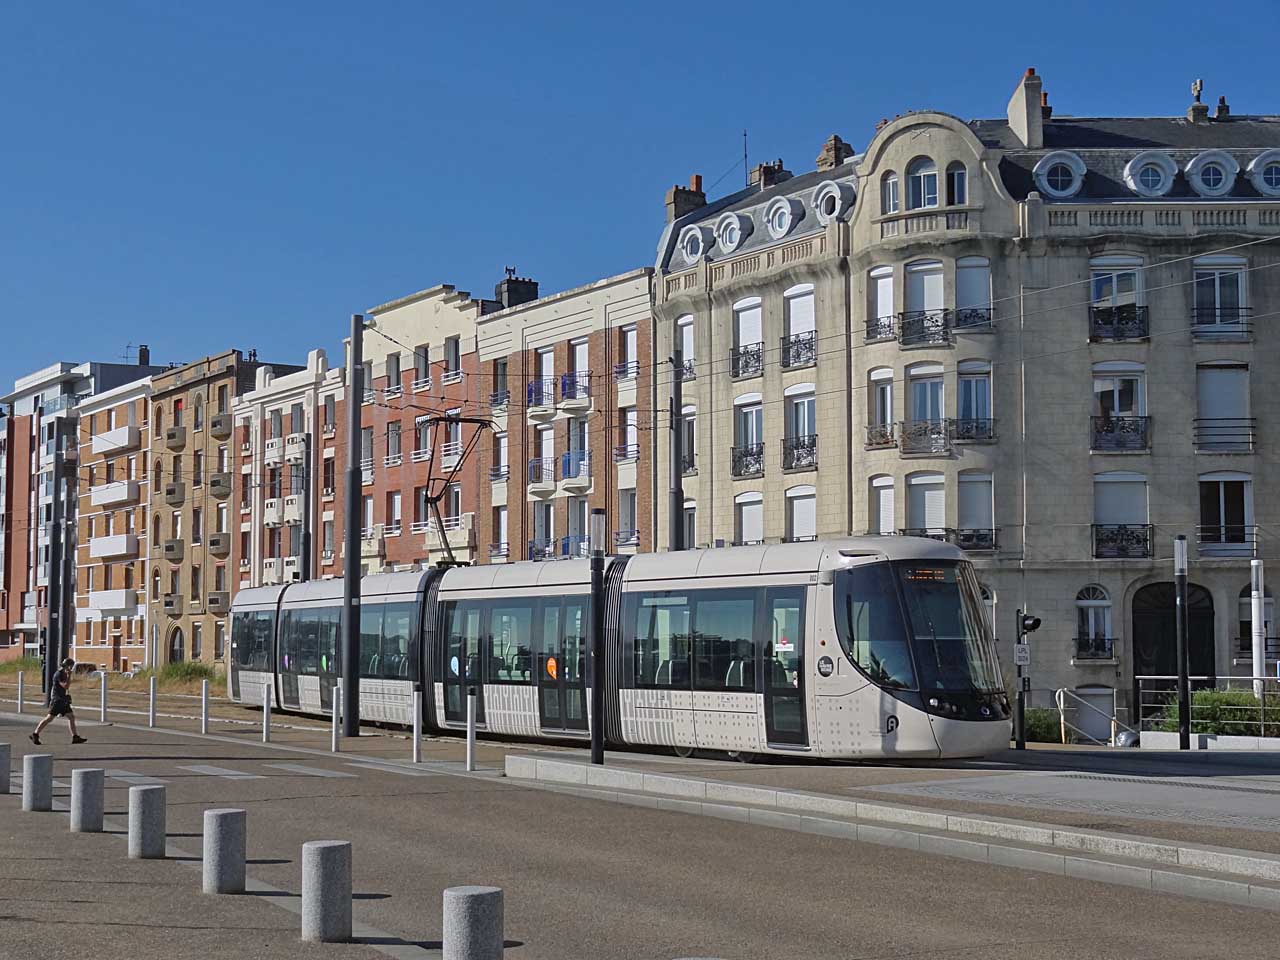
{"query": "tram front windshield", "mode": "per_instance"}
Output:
(913, 625)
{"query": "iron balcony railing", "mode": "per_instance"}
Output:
(1121, 541)
(627, 370)
(1270, 649)
(499, 471)
(421, 383)
(923, 327)
(1227, 539)
(499, 549)
(974, 538)
(800, 453)
(1121, 433)
(575, 464)
(1095, 648)
(973, 429)
(688, 463)
(1225, 434)
(542, 548)
(880, 328)
(541, 392)
(623, 452)
(969, 319)
(924, 436)
(687, 371)
(881, 435)
(800, 350)
(747, 460)
(746, 360)
(576, 385)
(542, 470)
(1221, 323)
(932, 533)
(1121, 321)
(499, 398)
(575, 545)
(626, 538)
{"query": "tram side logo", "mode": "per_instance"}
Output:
(890, 723)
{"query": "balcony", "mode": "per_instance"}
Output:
(114, 494)
(575, 469)
(1227, 540)
(499, 472)
(450, 377)
(220, 485)
(293, 509)
(272, 512)
(542, 475)
(540, 397)
(626, 538)
(626, 371)
(1121, 434)
(1122, 541)
(116, 441)
(930, 533)
(688, 463)
(175, 438)
(974, 538)
(172, 604)
(880, 328)
(392, 528)
(973, 430)
(220, 425)
(575, 545)
(272, 569)
(393, 460)
(420, 454)
(575, 390)
(1225, 434)
(458, 529)
(422, 383)
(106, 601)
(499, 399)
(1124, 321)
(173, 550)
(219, 602)
(499, 550)
(117, 545)
(393, 389)
(329, 430)
(799, 350)
(175, 493)
(290, 569)
(295, 448)
(273, 452)
(920, 328)
(1095, 648)
(800, 453)
(931, 437)
(1243, 648)
(880, 436)
(687, 370)
(220, 544)
(747, 460)
(542, 548)
(1222, 323)
(450, 454)
(972, 320)
(366, 471)
(626, 452)
(746, 361)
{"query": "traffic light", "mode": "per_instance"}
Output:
(1029, 624)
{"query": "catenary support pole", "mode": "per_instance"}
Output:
(6, 758)
(1258, 627)
(146, 822)
(1020, 698)
(204, 706)
(102, 698)
(597, 635)
(350, 658)
(1180, 611)
(151, 701)
(676, 508)
(20, 690)
(222, 869)
(417, 723)
(471, 728)
(473, 923)
(86, 800)
(335, 731)
(266, 712)
(326, 891)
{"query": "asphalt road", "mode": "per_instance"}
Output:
(583, 878)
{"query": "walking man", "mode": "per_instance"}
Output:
(60, 703)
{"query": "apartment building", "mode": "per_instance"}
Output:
(39, 492)
(1044, 339)
(570, 380)
(112, 543)
(286, 472)
(194, 550)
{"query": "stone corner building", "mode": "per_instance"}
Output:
(1045, 339)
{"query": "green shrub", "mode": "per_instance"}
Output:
(1042, 725)
(1224, 712)
(184, 672)
(25, 664)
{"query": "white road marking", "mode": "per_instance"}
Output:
(307, 771)
(389, 768)
(136, 779)
(223, 772)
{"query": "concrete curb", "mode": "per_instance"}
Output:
(800, 806)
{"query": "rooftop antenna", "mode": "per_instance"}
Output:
(511, 272)
(1196, 87)
(127, 356)
(746, 170)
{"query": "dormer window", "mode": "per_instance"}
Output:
(1061, 178)
(1213, 173)
(1059, 175)
(832, 200)
(781, 216)
(693, 244)
(1264, 173)
(1151, 178)
(1150, 174)
(731, 230)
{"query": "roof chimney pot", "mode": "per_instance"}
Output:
(834, 152)
(1026, 116)
(683, 200)
(1224, 109)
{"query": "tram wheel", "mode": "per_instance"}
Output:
(684, 753)
(742, 756)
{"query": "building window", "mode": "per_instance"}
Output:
(1059, 174)
(327, 537)
(800, 431)
(1226, 515)
(219, 640)
(690, 511)
(1222, 408)
(748, 518)
(1093, 623)
(800, 343)
(197, 637)
(1213, 173)
(330, 411)
(222, 398)
(973, 414)
(1264, 173)
(393, 370)
(500, 528)
(802, 514)
(731, 230)
(328, 476)
(367, 514)
(197, 525)
(1150, 173)
(973, 293)
(195, 584)
(1120, 516)
(889, 193)
(684, 343)
(975, 512)
(880, 406)
(197, 413)
(957, 186)
(393, 441)
(452, 354)
(689, 438)
(926, 505)
(628, 521)
(748, 451)
(883, 517)
(393, 512)
(922, 184)
(1220, 305)
(747, 356)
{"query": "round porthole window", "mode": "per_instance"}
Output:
(1213, 173)
(1271, 175)
(831, 201)
(1150, 173)
(1151, 177)
(731, 230)
(693, 244)
(781, 216)
(1060, 177)
(1264, 173)
(1211, 176)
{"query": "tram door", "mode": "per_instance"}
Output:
(784, 674)
(562, 660)
(290, 647)
(462, 659)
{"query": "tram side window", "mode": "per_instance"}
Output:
(370, 639)
(251, 634)
(462, 654)
(511, 642)
(329, 620)
(869, 620)
(662, 633)
(575, 638)
(397, 626)
(724, 653)
(287, 662)
(782, 653)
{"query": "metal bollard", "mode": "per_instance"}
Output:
(471, 728)
(37, 781)
(417, 724)
(151, 707)
(146, 822)
(86, 800)
(473, 923)
(102, 699)
(337, 718)
(326, 891)
(266, 712)
(224, 851)
(5, 759)
(19, 691)
(204, 706)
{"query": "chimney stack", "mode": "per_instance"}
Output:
(683, 200)
(1046, 111)
(1224, 109)
(1026, 116)
(767, 174)
(1198, 112)
(834, 152)
(144, 355)
(513, 291)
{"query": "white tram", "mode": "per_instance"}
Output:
(858, 647)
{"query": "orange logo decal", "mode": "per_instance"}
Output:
(551, 668)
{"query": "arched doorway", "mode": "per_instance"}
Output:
(1155, 637)
(175, 646)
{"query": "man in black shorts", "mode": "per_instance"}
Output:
(60, 703)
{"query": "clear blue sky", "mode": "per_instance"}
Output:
(202, 176)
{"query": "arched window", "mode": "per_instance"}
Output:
(749, 518)
(155, 581)
(922, 184)
(197, 412)
(1093, 624)
(882, 519)
(889, 193)
(157, 417)
(802, 513)
(957, 185)
(156, 474)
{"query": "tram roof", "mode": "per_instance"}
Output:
(525, 573)
(257, 598)
(374, 585)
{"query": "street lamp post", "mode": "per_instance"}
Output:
(350, 659)
(597, 634)
(1184, 686)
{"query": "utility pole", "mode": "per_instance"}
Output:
(677, 449)
(305, 493)
(1258, 627)
(1180, 611)
(350, 659)
(55, 644)
(596, 539)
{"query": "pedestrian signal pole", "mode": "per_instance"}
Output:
(1022, 658)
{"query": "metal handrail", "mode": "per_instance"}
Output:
(1060, 699)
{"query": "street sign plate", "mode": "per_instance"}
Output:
(1022, 654)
